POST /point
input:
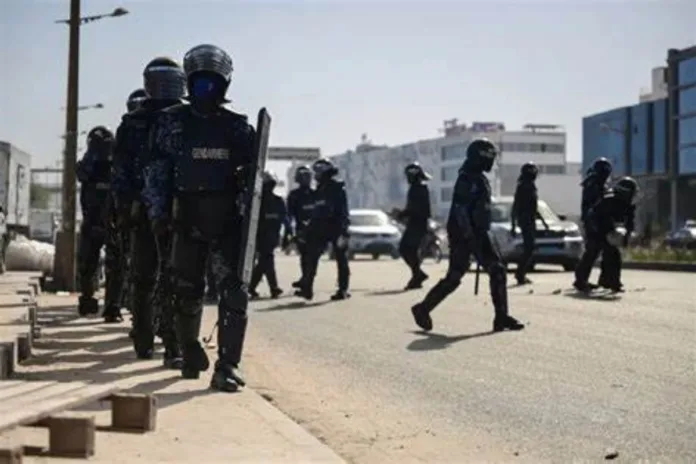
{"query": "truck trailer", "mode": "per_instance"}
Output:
(15, 187)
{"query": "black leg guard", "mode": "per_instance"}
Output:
(440, 291)
(498, 288)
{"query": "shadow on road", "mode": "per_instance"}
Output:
(435, 341)
(594, 296)
(293, 305)
(394, 291)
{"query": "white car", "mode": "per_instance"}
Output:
(373, 233)
(562, 244)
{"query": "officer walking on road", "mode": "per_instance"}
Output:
(98, 228)
(468, 228)
(328, 225)
(415, 216)
(616, 206)
(300, 205)
(273, 215)
(164, 83)
(201, 153)
(594, 186)
(525, 213)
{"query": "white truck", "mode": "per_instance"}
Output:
(15, 182)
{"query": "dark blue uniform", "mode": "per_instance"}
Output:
(98, 230)
(416, 217)
(328, 225)
(600, 221)
(152, 310)
(300, 206)
(194, 184)
(272, 216)
(594, 188)
(468, 229)
(524, 214)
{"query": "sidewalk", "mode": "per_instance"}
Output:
(194, 424)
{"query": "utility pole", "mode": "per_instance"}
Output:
(64, 259)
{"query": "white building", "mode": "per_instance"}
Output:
(658, 86)
(374, 175)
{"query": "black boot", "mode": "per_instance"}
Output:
(505, 322)
(172, 357)
(87, 306)
(340, 295)
(226, 378)
(422, 317)
(144, 345)
(305, 293)
(253, 294)
(276, 292)
(195, 361)
(416, 281)
(112, 315)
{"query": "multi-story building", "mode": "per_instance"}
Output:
(655, 142)
(374, 175)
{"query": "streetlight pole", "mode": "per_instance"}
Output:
(64, 259)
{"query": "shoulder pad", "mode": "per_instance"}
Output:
(339, 183)
(240, 116)
(176, 109)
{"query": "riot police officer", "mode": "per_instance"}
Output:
(272, 216)
(525, 213)
(300, 205)
(468, 228)
(201, 152)
(136, 99)
(328, 225)
(594, 186)
(616, 206)
(164, 83)
(415, 216)
(98, 229)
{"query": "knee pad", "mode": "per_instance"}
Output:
(234, 300)
(452, 280)
(497, 272)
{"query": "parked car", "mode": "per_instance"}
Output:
(373, 233)
(562, 244)
(684, 237)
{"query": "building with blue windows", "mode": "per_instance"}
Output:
(655, 142)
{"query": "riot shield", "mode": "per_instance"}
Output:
(254, 183)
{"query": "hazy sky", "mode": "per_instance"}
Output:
(330, 70)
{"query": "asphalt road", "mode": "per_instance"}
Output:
(589, 377)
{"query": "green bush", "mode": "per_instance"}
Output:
(660, 254)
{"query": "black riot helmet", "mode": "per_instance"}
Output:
(99, 136)
(529, 171)
(208, 73)
(323, 168)
(303, 176)
(626, 189)
(415, 173)
(164, 79)
(601, 167)
(480, 155)
(269, 180)
(136, 99)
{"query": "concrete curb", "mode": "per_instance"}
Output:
(657, 266)
(310, 446)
